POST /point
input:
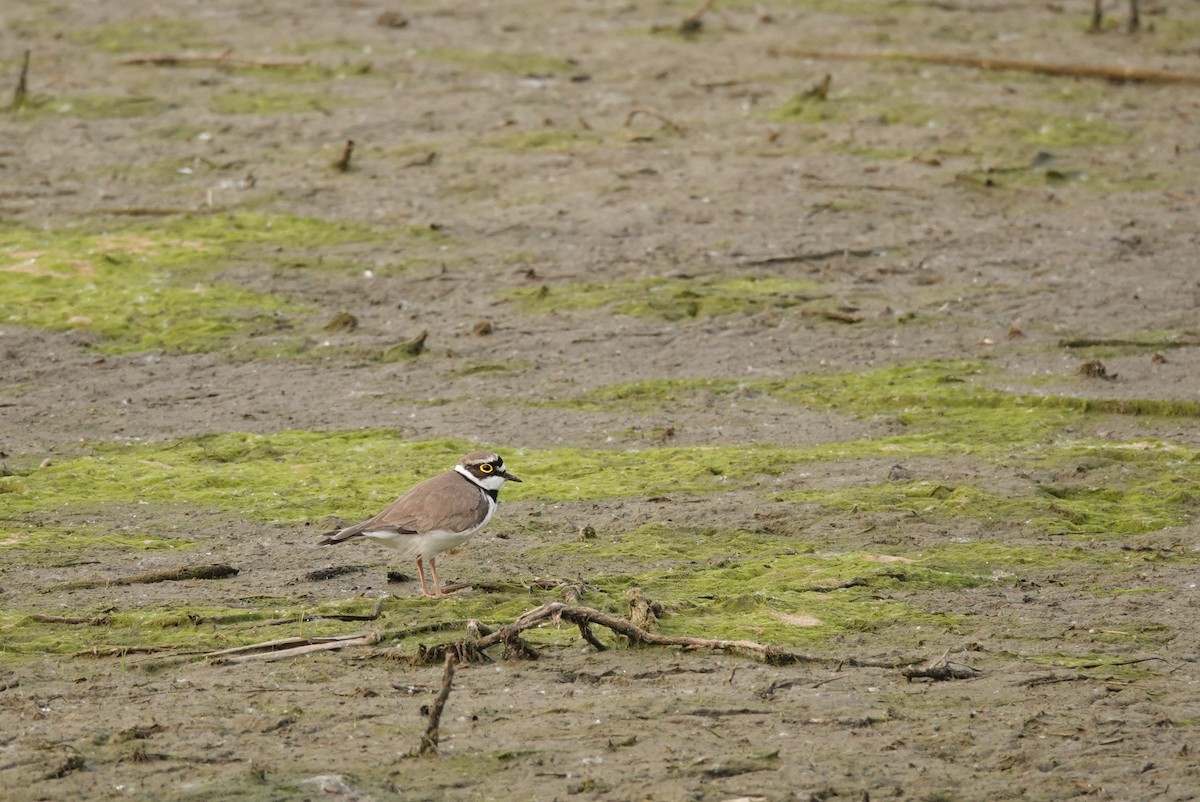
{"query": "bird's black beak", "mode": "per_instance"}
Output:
(510, 477)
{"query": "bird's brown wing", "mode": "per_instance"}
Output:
(448, 502)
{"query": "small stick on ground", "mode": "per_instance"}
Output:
(225, 58)
(1117, 74)
(652, 113)
(273, 650)
(376, 611)
(693, 23)
(429, 741)
(216, 571)
(343, 164)
(21, 95)
(94, 621)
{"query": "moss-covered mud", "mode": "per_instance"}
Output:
(894, 370)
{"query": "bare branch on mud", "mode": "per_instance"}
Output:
(215, 571)
(284, 648)
(941, 672)
(223, 59)
(429, 741)
(815, 256)
(472, 649)
(1117, 74)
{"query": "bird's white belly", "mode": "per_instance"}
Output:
(428, 545)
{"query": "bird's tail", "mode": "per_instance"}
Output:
(339, 536)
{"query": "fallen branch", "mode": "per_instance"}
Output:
(223, 59)
(95, 621)
(429, 741)
(376, 611)
(472, 649)
(284, 648)
(216, 571)
(1118, 74)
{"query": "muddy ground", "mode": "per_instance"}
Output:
(914, 214)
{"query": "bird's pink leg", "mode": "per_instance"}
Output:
(421, 573)
(437, 586)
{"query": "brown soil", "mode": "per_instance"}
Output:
(705, 184)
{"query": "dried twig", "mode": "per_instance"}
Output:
(72, 764)
(21, 94)
(693, 23)
(223, 59)
(343, 163)
(429, 741)
(652, 113)
(815, 256)
(1107, 73)
(94, 621)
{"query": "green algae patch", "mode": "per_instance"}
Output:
(298, 475)
(945, 406)
(75, 540)
(520, 64)
(90, 106)
(147, 34)
(511, 367)
(139, 287)
(672, 298)
(1137, 498)
(176, 628)
(723, 584)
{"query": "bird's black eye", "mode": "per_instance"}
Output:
(486, 468)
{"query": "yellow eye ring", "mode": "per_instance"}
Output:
(486, 468)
